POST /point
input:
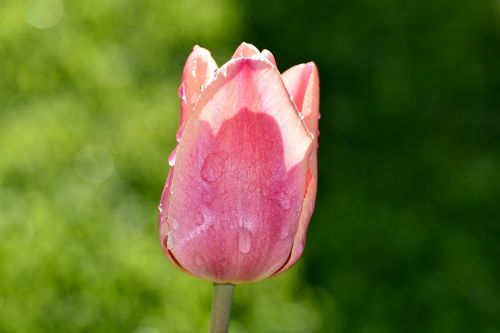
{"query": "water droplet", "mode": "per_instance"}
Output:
(172, 156)
(170, 240)
(193, 69)
(281, 200)
(223, 71)
(207, 197)
(194, 98)
(178, 135)
(222, 246)
(212, 167)
(182, 94)
(284, 232)
(252, 187)
(199, 219)
(244, 241)
(196, 123)
(208, 216)
(223, 260)
(247, 222)
(175, 225)
(160, 208)
(198, 260)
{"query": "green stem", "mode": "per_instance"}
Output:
(221, 308)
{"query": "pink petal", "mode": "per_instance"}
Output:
(305, 216)
(240, 178)
(245, 50)
(269, 56)
(163, 226)
(302, 81)
(199, 70)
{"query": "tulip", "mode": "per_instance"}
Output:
(242, 184)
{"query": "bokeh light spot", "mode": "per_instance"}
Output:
(44, 14)
(94, 163)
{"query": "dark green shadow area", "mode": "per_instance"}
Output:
(406, 233)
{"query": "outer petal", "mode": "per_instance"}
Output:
(240, 177)
(163, 226)
(302, 81)
(269, 56)
(199, 70)
(245, 50)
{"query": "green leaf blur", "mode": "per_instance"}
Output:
(406, 234)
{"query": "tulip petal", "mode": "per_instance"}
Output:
(269, 56)
(305, 217)
(199, 69)
(245, 50)
(163, 226)
(302, 81)
(240, 178)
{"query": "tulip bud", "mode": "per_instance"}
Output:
(242, 184)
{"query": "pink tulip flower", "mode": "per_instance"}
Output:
(242, 184)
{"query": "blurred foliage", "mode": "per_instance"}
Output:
(406, 234)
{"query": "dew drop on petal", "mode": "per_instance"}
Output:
(207, 197)
(194, 98)
(193, 69)
(252, 187)
(284, 232)
(175, 225)
(178, 135)
(170, 240)
(223, 71)
(182, 94)
(212, 167)
(281, 200)
(199, 220)
(244, 241)
(172, 156)
(198, 261)
(207, 216)
(249, 222)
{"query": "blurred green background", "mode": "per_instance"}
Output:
(406, 233)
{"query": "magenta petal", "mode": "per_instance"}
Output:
(240, 177)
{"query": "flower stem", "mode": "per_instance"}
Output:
(221, 308)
